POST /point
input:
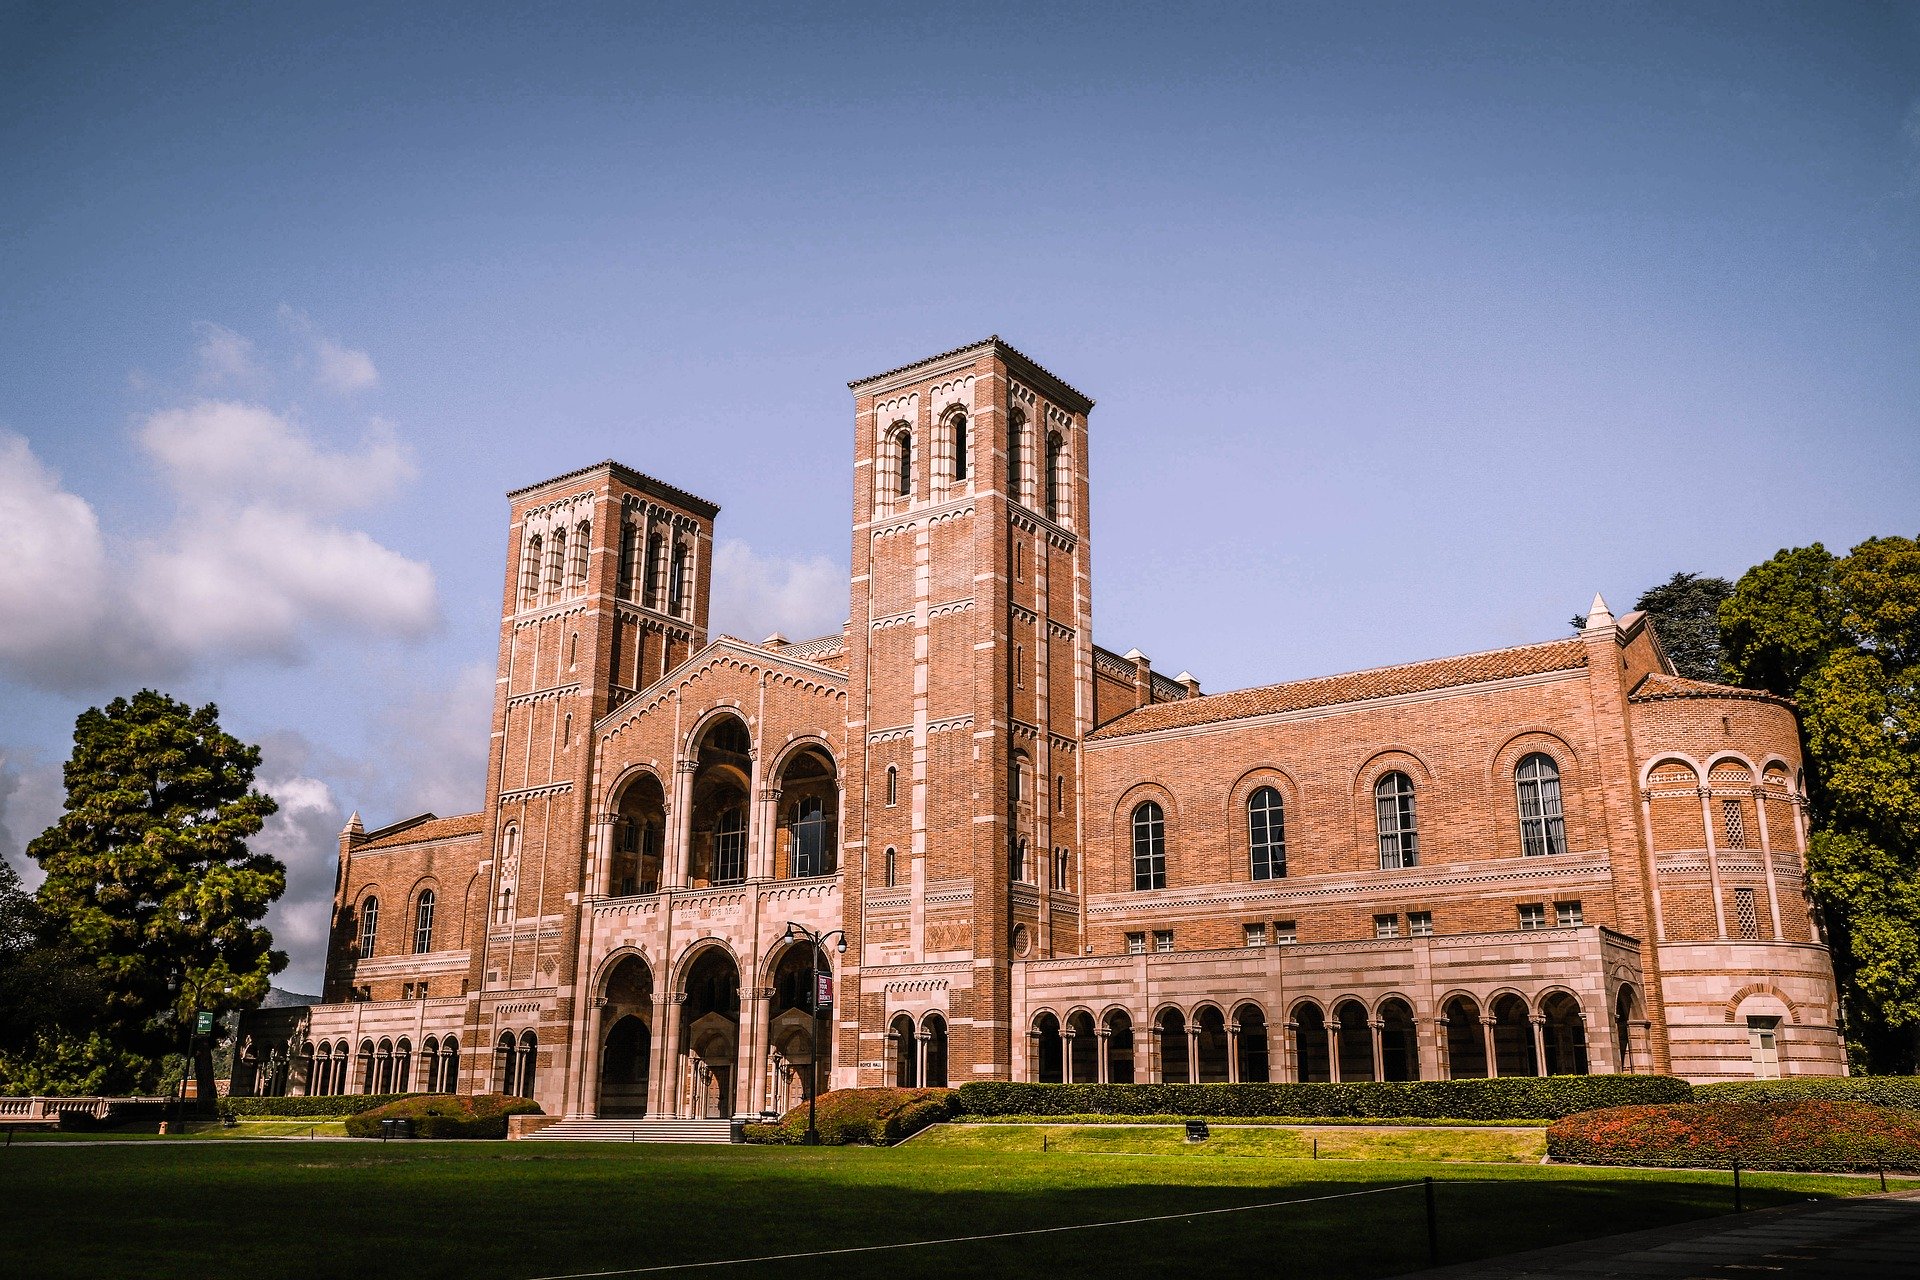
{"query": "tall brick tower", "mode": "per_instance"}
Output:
(969, 678)
(606, 590)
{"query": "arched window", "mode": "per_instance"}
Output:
(892, 868)
(1543, 828)
(369, 924)
(1063, 870)
(1267, 834)
(449, 1064)
(893, 785)
(656, 571)
(1393, 817)
(677, 584)
(902, 462)
(507, 1064)
(556, 562)
(530, 572)
(508, 874)
(1016, 459)
(1053, 480)
(959, 428)
(423, 923)
(730, 847)
(577, 567)
(1149, 846)
(403, 1066)
(1017, 861)
(629, 558)
(529, 1054)
(807, 839)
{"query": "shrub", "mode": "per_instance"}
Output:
(446, 1115)
(877, 1117)
(1881, 1091)
(1507, 1098)
(1805, 1135)
(344, 1104)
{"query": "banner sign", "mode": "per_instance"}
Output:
(823, 992)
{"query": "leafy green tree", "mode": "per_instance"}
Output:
(1686, 616)
(47, 996)
(149, 874)
(1841, 636)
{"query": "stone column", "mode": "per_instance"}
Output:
(595, 1031)
(1193, 1054)
(669, 1051)
(1766, 858)
(766, 826)
(1713, 858)
(1233, 1052)
(1333, 1051)
(920, 1039)
(1442, 1056)
(1287, 1068)
(1102, 1048)
(1493, 1057)
(1067, 1037)
(749, 1054)
(679, 842)
(1539, 1024)
(1033, 1056)
(1376, 1027)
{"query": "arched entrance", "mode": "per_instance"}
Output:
(717, 836)
(1564, 1034)
(1513, 1038)
(1083, 1052)
(906, 1052)
(626, 1048)
(1170, 1035)
(1310, 1043)
(710, 1035)
(934, 1028)
(1623, 1016)
(1399, 1044)
(1048, 1050)
(794, 1030)
(1356, 1041)
(1466, 1040)
(1212, 1046)
(1251, 1042)
(1119, 1029)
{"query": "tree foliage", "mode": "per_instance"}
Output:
(1841, 636)
(1686, 616)
(149, 874)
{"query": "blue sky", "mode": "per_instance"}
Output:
(1410, 326)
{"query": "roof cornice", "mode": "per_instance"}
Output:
(1028, 369)
(637, 479)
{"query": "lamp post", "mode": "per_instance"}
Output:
(815, 941)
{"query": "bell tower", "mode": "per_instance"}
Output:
(970, 668)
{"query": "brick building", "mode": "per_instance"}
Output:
(1043, 859)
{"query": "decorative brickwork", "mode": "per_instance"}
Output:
(1549, 858)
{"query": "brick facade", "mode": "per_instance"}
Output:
(1035, 858)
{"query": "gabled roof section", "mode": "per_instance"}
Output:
(1658, 686)
(817, 648)
(1356, 686)
(1057, 387)
(422, 828)
(640, 480)
(815, 668)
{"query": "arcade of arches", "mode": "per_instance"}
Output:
(1215, 1044)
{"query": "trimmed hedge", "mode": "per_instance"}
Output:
(874, 1117)
(446, 1115)
(1801, 1136)
(1881, 1091)
(1507, 1098)
(330, 1106)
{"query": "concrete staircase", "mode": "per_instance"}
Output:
(638, 1129)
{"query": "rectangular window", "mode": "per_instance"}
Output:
(1386, 926)
(1736, 824)
(1063, 870)
(1256, 935)
(1163, 939)
(1567, 914)
(1746, 914)
(1420, 924)
(1763, 1037)
(1059, 793)
(1284, 933)
(1533, 915)
(1019, 667)
(1136, 944)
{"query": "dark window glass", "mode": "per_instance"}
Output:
(1267, 834)
(1149, 847)
(1393, 815)
(1543, 829)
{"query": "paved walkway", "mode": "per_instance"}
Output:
(1865, 1236)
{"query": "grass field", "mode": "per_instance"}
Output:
(522, 1210)
(1507, 1146)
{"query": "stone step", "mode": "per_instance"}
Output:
(639, 1129)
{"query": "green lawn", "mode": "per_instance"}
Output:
(1370, 1143)
(524, 1210)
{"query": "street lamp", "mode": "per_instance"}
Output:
(815, 941)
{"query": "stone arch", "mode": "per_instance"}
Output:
(1760, 992)
(799, 1033)
(709, 978)
(636, 843)
(1513, 1047)
(903, 1051)
(717, 834)
(1082, 1054)
(1213, 1047)
(1353, 1034)
(1668, 760)
(933, 1036)
(1240, 822)
(1624, 1011)
(1399, 1038)
(1117, 1023)
(1253, 1053)
(1504, 786)
(1307, 1021)
(1130, 801)
(807, 825)
(1170, 1045)
(1563, 1033)
(1465, 1036)
(1719, 758)
(1366, 812)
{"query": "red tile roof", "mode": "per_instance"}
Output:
(465, 824)
(1657, 686)
(1357, 686)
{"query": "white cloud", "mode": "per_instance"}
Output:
(437, 739)
(216, 450)
(755, 595)
(305, 835)
(53, 570)
(336, 366)
(32, 794)
(225, 357)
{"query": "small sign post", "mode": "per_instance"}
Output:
(822, 992)
(203, 1025)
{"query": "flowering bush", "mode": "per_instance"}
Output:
(878, 1117)
(446, 1115)
(1807, 1135)
(1506, 1098)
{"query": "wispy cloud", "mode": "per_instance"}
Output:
(337, 367)
(755, 594)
